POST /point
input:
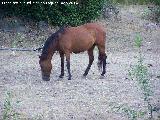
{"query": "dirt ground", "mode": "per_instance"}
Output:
(92, 98)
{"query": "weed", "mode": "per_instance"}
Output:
(139, 72)
(9, 113)
(128, 111)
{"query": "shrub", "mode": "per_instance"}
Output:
(128, 2)
(139, 72)
(56, 14)
(154, 13)
(156, 2)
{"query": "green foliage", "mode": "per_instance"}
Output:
(156, 2)
(9, 113)
(91, 9)
(155, 13)
(57, 14)
(152, 13)
(138, 41)
(128, 111)
(128, 2)
(7, 106)
(139, 72)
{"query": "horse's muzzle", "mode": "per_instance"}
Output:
(45, 77)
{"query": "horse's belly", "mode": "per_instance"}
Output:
(78, 50)
(81, 47)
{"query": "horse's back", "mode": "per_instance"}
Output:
(77, 39)
(99, 30)
(95, 25)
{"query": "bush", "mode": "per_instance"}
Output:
(56, 14)
(128, 2)
(156, 2)
(155, 10)
(154, 13)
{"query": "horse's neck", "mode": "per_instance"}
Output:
(52, 49)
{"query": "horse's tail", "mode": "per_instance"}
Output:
(102, 62)
(102, 55)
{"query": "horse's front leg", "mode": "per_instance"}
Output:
(68, 65)
(62, 65)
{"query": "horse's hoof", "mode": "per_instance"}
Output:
(102, 77)
(46, 79)
(61, 76)
(84, 77)
(84, 74)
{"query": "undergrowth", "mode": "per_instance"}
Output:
(130, 112)
(139, 72)
(9, 113)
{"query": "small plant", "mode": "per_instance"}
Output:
(139, 72)
(7, 106)
(128, 111)
(152, 13)
(132, 114)
(9, 113)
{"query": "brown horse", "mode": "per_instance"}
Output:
(76, 40)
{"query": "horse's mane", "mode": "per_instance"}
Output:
(51, 40)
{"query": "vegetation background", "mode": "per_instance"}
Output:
(64, 14)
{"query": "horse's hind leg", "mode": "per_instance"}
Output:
(91, 59)
(68, 64)
(104, 64)
(102, 59)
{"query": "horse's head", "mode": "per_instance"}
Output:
(46, 67)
